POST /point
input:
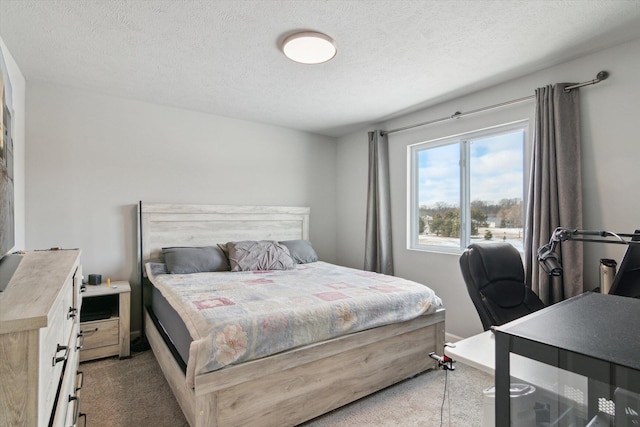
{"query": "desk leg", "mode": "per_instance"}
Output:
(503, 380)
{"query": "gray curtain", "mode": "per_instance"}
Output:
(378, 253)
(555, 192)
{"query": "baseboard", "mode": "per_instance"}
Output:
(451, 338)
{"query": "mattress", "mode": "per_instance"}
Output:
(234, 317)
(172, 325)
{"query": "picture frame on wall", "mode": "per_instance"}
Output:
(7, 211)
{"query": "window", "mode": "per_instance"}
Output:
(468, 188)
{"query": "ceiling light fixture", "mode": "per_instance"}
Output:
(309, 47)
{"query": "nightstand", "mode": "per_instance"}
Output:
(104, 320)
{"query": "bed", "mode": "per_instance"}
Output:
(291, 386)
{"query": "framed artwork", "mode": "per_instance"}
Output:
(7, 213)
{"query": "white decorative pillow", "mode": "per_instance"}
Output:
(251, 255)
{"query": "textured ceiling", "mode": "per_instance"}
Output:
(222, 57)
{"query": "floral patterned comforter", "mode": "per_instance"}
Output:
(234, 317)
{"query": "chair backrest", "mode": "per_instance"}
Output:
(494, 277)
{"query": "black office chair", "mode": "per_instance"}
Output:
(494, 276)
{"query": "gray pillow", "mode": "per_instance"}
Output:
(251, 255)
(301, 251)
(186, 260)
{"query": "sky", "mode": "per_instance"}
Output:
(496, 170)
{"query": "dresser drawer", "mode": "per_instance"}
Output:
(67, 408)
(78, 289)
(56, 345)
(100, 333)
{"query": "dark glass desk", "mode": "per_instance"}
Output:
(593, 335)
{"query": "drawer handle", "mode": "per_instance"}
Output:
(83, 288)
(76, 412)
(81, 338)
(83, 415)
(89, 332)
(81, 375)
(73, 312)
(63, 358)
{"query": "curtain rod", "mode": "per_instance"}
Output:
(602, 75)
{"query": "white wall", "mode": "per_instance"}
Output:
(611, 159)
(18, 85)
(91, 158)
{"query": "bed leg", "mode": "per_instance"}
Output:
(206, 410)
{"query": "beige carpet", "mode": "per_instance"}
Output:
(133, 392)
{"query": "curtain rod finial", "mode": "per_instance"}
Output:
(602, 75)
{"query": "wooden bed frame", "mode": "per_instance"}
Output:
(290, 387)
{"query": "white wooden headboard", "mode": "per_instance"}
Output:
(163, 225)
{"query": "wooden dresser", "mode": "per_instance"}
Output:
(39, 341)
